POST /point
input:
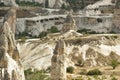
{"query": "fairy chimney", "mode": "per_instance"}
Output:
(69, 24)
(58, 62)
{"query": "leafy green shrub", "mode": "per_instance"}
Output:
(43, 34)
(114, 37)
(114, 78)
(114, 63)
(86, 31)
(112, 32)
(54, 29)
(94, 72)
(70, 69)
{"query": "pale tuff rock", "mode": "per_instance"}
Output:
(9, 2)
(92, 50)
(9, 59)
(69, 24)
(58, 62)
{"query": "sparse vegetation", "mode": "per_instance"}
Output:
(70, 69)
(114, 63)
(87, 31)
(114, 37)
(114, 78)
(36, 75)
(23, 36)
(94, 72)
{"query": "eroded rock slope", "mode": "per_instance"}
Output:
(90, 50)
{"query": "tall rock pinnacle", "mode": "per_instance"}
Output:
(69, 23)
(9, 55)
(58, 61)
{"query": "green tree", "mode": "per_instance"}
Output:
(46, 3)
(63, 6)
(114, 63)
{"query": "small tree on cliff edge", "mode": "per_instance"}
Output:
(114, 63)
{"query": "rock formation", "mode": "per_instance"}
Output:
(69, 24)
(9, 2)
(9, 55)
(58, 61)
(92, 50)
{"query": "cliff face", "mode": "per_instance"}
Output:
(10, 62)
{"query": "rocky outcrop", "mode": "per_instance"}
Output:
(9, 56)
(58, 62)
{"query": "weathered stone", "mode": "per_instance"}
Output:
(9, 55)
(58, 61)
(69, 24)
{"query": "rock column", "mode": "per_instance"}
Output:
(58, 61)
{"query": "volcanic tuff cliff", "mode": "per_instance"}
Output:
(91, 50)
(10, 62)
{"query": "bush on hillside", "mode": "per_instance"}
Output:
(54, 29)
(43, 34)
(94, 72)
(114, 63)
(70, 69)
